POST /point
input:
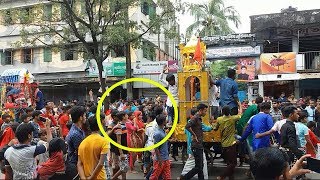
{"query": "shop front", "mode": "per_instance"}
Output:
(277, 73)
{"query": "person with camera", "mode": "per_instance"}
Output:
(38, 126)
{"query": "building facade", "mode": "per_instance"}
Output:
(61, 71)
(289, 31)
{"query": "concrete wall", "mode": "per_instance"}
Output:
(287, 19)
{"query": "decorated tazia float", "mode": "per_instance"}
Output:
(17, 89)
(193, 87)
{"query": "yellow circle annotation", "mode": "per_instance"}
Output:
(149, 148)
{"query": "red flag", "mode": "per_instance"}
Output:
(198, 53)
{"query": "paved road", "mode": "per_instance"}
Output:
(216, 170)
(176, 169)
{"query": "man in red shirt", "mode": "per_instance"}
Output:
(47, 112)
(63, 121)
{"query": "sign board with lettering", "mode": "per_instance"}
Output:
(154, 67)
(115, 68)
(109, 68)
(230, 38)
(232, 51)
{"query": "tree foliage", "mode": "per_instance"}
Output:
(95, 26)
(219, 69)
(213, 18)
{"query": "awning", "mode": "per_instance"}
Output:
(277, 77)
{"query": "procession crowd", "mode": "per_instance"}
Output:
(65, 142)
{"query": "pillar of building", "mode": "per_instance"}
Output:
(295, 44)
(297, 89)
(295, 48)
(261, 90)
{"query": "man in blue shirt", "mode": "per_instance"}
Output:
(259, 123)
(39, 99)
(76, 134)
(229, 92)
(311, 109)
(161, 165)
(282, 98)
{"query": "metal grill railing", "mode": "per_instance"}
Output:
(311, 60)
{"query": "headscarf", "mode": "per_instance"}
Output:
(138, 121)
(137, 114)
(54, 164)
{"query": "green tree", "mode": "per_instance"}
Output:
(93, 27)
(214, 17)
(219, 68)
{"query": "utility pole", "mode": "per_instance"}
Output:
(128, 61)
(159, 48)
(128, 71)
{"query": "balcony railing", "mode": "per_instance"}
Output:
(311, 61)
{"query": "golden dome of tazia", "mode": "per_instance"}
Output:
(192, 42)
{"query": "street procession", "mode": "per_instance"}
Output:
(160, 90)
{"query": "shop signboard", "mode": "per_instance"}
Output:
(233, 51)
(246, 68)
(149, 67)
(278, 63)
(92, 68)
(230, 38)
(173, 66)
(115, 68)
(109, 68)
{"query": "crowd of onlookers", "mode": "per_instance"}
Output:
(64, 141)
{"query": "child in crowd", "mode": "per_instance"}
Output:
(161, 165)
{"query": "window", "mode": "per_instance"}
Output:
(48, 12)
(25, 15)
(148, 8)
(87, 55)
(63, 8)
(6, 58)
(69, 53)
(83, 8)
(26, 56)
(148, 51)
(145, 8)
(152, 11)
(7, 17)
(118, 51)
(47, 55)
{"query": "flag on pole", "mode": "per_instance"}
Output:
(198, 54)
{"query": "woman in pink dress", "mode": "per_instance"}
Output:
(132, 140)
(138, 122)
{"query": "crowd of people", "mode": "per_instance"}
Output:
(65, 142)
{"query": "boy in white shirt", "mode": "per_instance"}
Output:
(170, 82)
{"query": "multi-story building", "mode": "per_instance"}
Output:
(290, 31)
(62, 74)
